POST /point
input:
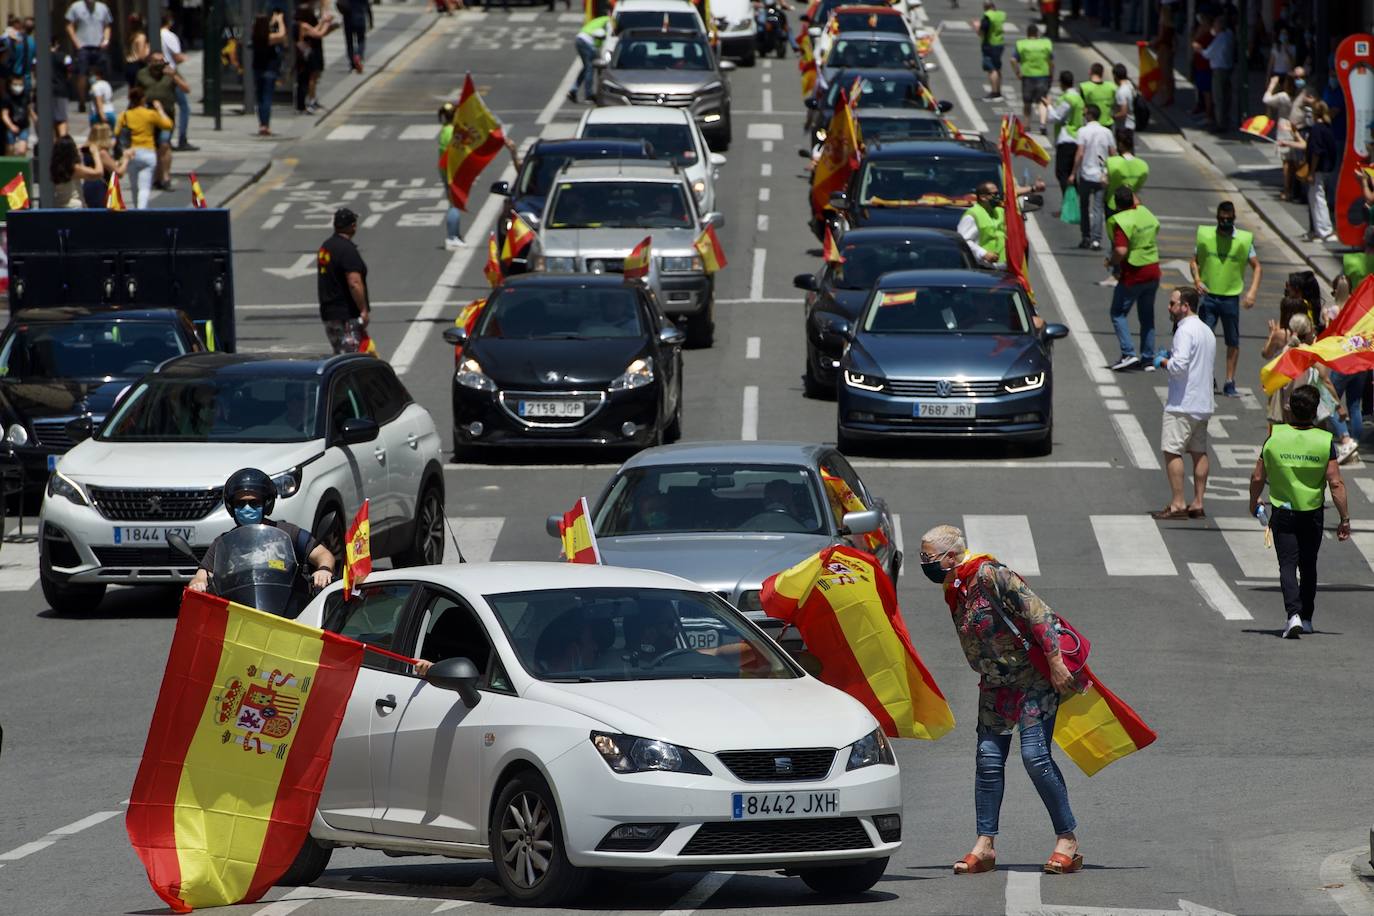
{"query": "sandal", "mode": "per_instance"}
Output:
(1167, 513)
(1060, 864)
(1197, 513)
(975, 865)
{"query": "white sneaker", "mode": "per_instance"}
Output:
(454, 244)
(1346, 451)
(1294, 628)
(1124, 363)
(1307, 627)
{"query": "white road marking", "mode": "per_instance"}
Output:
(1248, 399)
(967, 109)
(1339, 879)
(1023, 899)
(1116, 404)
(1245, 537)
(768, 101)
(1365, 485)
(477, 537)
(1131, 545)
(559, 94)
(1364, 543)
(751, 348)
(89, 820)
(897, 533)
(1132, 437)
(1006, 537)
(756, 277)
(764, 132)
(1216, 426)
(767, 79)
(764, 195)
(451, 905)
(749, 424)
(1081, 335)
(761, 222)
(750, 301)
(572, 17)
(350, 132)
(522, 17)
(419, 132)
(766, 170)
(767, 146)
(1111, 391)
(27, 849)
(1160, 143)
(703, 889)
(19, 565)
(1218, 595)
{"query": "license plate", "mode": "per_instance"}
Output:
(551, 408)
(701, 639)
(151, 535)
(773, 805)
(944, 409)
(52, 462)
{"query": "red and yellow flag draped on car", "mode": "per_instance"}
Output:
(1150, 73)
(711, 251)
(1096, 727)
(806, 63)
(839, 156)
(843, 499)
(638, 261)
(519, 237)
(1347, 344)
(1016, 242)
(845, 608)
(237, 751)
(575, 531)
(830, 249)
(477, 138)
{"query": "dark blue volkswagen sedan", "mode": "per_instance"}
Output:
(948, 354)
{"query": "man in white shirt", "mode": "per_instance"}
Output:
(1189, 405)
(171, 49)
(1221, 54)
(1123, 114)
(1095, 144)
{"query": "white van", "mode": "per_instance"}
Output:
(737, 35)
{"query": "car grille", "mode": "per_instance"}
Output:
(666, 99)
(155, 505)
(762, 766)
(592, 402)
(761, 838)
(53, 433)
(607, 265)
(144, 556)
(926, 388)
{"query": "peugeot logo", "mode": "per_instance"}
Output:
(943, 388)
(154, 505)
(662, 98)
(550, 376)
(782, 766)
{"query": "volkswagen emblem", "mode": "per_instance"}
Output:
(154, 504)
(550, 376)
(782, 766)
(944, 387)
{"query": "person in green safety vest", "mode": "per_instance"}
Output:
(1359, 264)
(588, 44)
(1097, 91)
(1218, 266)
(990, 31)
(983, 226)
(1134, 231)
(1298, 463)
(1033, 61)
(1125, 169)
(1065, 117)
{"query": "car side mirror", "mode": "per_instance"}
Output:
(459, 675)
(806, 282)
(839, 200)
(179, 544)
(457, 336)
(944, 105)
(671, 335)
(1032, 202)
(714, 218)
(717, 159)
(861, 522)
(727, 65)
(357, 430)
(80, 428)
(1056, 331)
(551, 526)
(500, 188)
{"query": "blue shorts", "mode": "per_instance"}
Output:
(992, 58)
(164, 137)
(1227, 308)
(12, 138)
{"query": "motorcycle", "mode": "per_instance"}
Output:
(255, 565)
(772, 33)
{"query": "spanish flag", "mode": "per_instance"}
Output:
(1346, 345)
(114, 197)
(468, 315)
(845, 607)
(492, 269)
(904, 298)
(357, 551)
(477, 138)
(806, 63)
(579, 540)
(367, 345)
(839, 156)
(197, 195)
(519, 236)
(843, 499)
(1150, 73)
(830, 248)
(709, 247)
(237, 751)
(1258, 126)
(927, 97)
(953, 131)
(1022, 143)
(637, 262)
(1096, 727)
(1016, 244)
(16, 192)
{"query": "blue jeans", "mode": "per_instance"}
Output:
(990, 777)
(355, 31)
(1123, 297)
(264, 85)
(183, 116)
(451, 222)
(587, 51)
(1227, 310)
(1351, 389)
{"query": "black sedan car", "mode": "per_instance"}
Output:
(838, 292)
(916, 183)
(890, 88)
(948, 354)
(567, 359)
(62, 368)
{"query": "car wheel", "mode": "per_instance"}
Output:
(812, 387)
(701, 328)
(674, 431)
(526, 840)
(1044, 445)
(427, 538)
(308, 865)
(329, 531)
(65, 597)
(842, 442)
(844, 880)
(748, 59)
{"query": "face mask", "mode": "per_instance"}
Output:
(248, 515)
(17, 88)
(934, 571)
(1299, 83)
(1226, 225)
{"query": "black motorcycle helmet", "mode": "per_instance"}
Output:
(250, 480)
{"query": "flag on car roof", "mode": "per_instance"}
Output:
(519, 237)
(197, 195)
(830, 248)
(468, 315)
(114, 196)
(492, 269)
(637, 262)
(16, 192)
(846, 610)
(839, 156)
(357, 551)
(1096, 727)
(1016, 244)
(1346, 345)
(477, 138)
(579, 540)
(1258, 126)
(237, 751)
(712, 253)
(1150, 72)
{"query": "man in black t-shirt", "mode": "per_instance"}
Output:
(342, 285)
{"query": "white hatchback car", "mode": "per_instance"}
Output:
(671, 132)
(580, 717)
(330, 431)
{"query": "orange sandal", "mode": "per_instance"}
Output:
(1060, 864)
(975, 865)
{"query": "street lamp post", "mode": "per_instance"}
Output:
(42, 14)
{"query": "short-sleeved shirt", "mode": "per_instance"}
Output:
(337, 258)
(18, 108)
(1125, 95)
(171, 47)
(1096, 141)
(90, 23)
(103, 94)
(163, 90)
(303, 542)
(1130, 274)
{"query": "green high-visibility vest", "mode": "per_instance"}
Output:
(1075, 118)
(1141, 230)
(993, 35)
(1357, 266)
(992, 229)
(1125, 173)
(1103, 95)
(1221, 260)
(1295, 461)
(1035, 54)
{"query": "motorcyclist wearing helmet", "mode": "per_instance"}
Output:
(249, 496)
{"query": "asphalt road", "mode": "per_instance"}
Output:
(1251, 800)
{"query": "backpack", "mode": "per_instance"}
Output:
(1140, 109)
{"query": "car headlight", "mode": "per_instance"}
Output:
(638, 374)
(61, 485)
(628, 754)
(681, 265)
(1024, 383)
(17, 434)
(288, 483)
(699, 188)
(864, 381)
(470, 375)
(558, 265)
(750, 601)
(869, 750)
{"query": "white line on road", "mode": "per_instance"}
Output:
(1133, 440)
(764, 195)
(967, 110)
(768, 100)
(1218, 595)
(1131, 545)
(756, 277)
(477, 537)
(1365, 485)
(749, 424)
(897, 533)
(699, 893)
(551, 107)
(1245, 537)
(1007, 537)
(27, 849)
(751, 348)
(761, 222)
(91, 820)
(763, 131)
(767, 146)
(767, 78)
(766, 170)
(350, 132)
(1082, 336)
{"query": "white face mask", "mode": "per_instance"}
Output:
(16, 88)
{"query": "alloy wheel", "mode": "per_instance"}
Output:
(526, 839)
(431, 522)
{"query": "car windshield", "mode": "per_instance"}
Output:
(902, 129)
(569, 313)
(882, 92)
(87, 348)
(947, 310)
(217, 409)
(871, 54)
(653, 19)
(672, 142)
(715, 497)
(928, 181)
(666, 53)
(619, 205)
(634, 634)
(540, 170)
(862, 21)
(865, 262)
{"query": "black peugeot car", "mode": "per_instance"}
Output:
(567, 359)
(838, 291)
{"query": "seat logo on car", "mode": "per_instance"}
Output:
(944, 387)
(782, 766)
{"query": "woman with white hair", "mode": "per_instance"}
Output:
(998, 619)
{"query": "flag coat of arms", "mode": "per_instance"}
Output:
(637, 262)
(712, 253)
(579, 540)
(477, 138)
(357, 551)
(16, 192)
(237, 751)
(845, 607)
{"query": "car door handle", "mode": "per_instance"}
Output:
(413, 441)
(380, 455)
(386, 704)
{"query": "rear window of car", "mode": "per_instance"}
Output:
(871, 54)
(650, 19)
(619, 205)
(855, 21)
(88, 348)
(883, 92)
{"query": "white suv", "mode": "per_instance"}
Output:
(673, 135)
(330, 431)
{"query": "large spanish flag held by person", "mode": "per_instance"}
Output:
(579, 540)
(1150, 73)
(845, 608)
(839, 156)
(1347, 344)
(806, 63)
(237, 751)
(1096, 727)
(1016, 243)
(638, 261)
(711, 251)
(477, 138)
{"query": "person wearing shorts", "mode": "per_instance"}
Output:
(991, 36)
(1218, 265)
(1033, 61)
(1189, 405)
(88, 28)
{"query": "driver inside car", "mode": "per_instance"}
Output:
(653, 630)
